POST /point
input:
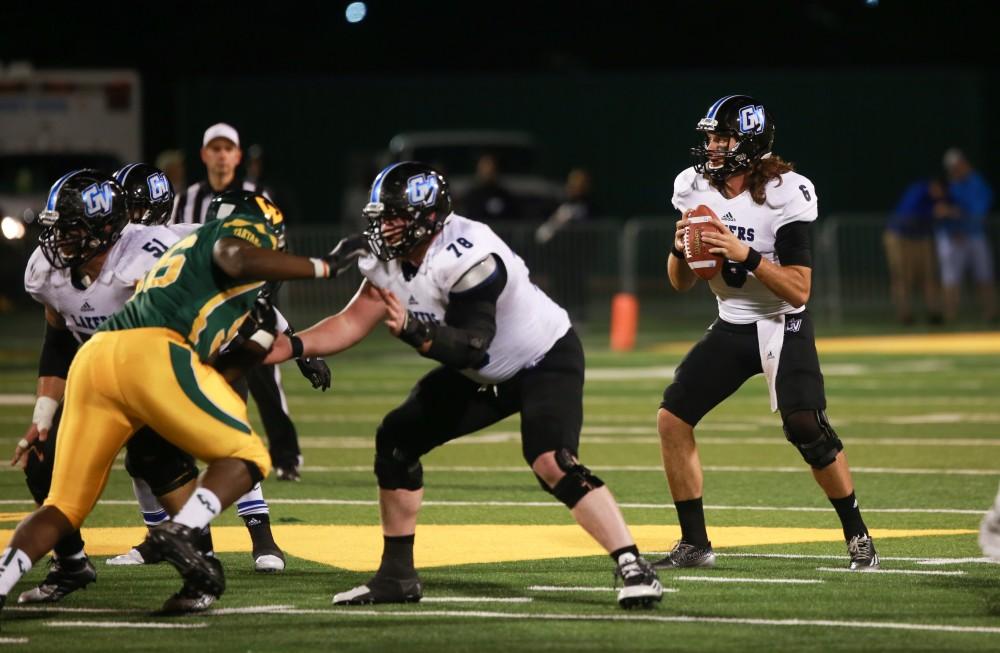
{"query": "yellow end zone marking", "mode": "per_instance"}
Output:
(13, 516)
(359, 548)
(934, 343)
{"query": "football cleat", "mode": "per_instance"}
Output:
(268, 562)
(178, 544)
(382, 590)
(989, 533)
(290, 473)
(189, 598)
(685, 555)
(140, 554)
(64, 576)
(641, 586)
(864, 557)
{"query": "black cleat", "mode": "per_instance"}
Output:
(190, 599)
(641, 585)
(685, 555)
(288, 473)
(178, 544)
(864, 557)
(65, 576)
(382, 590)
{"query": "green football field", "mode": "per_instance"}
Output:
(503, 566)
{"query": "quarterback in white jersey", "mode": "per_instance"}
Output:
(454, 291)
(79, 292)
(764, 211)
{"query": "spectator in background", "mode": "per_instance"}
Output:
(909, 249)
(488, 200)
(569, 286)
(960, 234)
(171, 162)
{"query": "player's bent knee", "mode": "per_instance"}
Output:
(164, 472)
(670, 426)
(396, 472)
(577, 482)
(812, 435)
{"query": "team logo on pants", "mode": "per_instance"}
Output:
(793, 325)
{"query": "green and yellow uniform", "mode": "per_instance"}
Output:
(149, 365)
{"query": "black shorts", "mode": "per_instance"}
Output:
(445, 405)
(729, 354)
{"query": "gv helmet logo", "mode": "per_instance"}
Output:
(752, 119)
(422, 190)
(97, 199)
(157, 184)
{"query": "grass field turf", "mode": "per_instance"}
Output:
(920, 429)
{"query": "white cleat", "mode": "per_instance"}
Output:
(133, 557)
(989, 533)
(268, 563)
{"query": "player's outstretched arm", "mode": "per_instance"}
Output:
(335, 333)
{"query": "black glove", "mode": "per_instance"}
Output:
(316, 370)
(347, 251)
(262, 319)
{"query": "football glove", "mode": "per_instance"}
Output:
(316, 370)
(347, 251)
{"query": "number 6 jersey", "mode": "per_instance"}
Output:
(742, 298)
(528, 322)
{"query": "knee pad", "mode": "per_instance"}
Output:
(397, 472)
(812, 435)
(577, 482)
(162, 465)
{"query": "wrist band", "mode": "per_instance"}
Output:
(45, 410)
(263, 338)
(298, 348)
(321, 270)
(676, 252)
(753, 260)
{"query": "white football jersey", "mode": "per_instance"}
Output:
(528, 321)
(86, 308)
(792, 199)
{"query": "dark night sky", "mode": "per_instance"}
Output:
(433, 37)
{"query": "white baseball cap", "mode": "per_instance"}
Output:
(221, 130)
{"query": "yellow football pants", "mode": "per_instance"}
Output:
(121, 380)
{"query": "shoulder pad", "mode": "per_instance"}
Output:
(475, 275)
(794, 197)
(36, 275)
(137, 251)
(684, 184)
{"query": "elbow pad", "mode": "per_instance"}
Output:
(58, 350)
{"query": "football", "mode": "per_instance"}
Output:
(704, 264)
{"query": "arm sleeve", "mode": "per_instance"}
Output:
(793, 244)
(470, 323)
(58, 350)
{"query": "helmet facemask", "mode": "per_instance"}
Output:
(395, 234)
(69, 242)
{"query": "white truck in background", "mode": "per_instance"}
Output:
(54, 121)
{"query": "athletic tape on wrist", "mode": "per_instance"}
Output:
(45, 410)
(321, 269)
(263, 338)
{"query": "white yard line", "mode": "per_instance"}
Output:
(905, 572)
(476, 599)
(13, 640)
(155, 625)
(568, 588)
(724, 579)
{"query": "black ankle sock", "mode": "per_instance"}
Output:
(617, 553)
(397, 556)
(69, 545)
(205, 542)
(260, 531)
(850, 516)
(691, 514)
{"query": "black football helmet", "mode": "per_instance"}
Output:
(83, 217)
(149, 195)
(237, 203)
(408, 204)
(743, 118)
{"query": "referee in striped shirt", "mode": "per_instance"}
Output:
(221, 154)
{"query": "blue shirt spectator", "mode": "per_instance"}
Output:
(914, 215)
